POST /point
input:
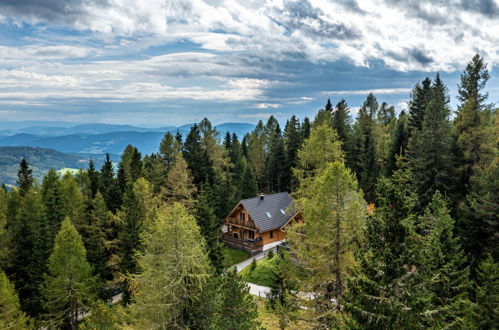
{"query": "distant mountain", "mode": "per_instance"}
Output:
(113, 142)
(87, 129)
(40, 160)
(7, 125)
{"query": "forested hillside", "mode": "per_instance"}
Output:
(399, 231)
(40, 160)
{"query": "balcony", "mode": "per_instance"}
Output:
(250, 245)
(247, 224)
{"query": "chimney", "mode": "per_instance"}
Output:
(261, 197)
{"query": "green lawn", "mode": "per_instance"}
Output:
(263, 274)
(233, 256)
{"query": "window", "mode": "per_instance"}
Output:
(242, 216)
(271, 234)
(283, 212)
(251, 235)
(268, 214)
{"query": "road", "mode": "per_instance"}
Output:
(255, 289)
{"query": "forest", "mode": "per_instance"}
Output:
(400, 224)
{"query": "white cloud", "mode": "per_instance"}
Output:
(367, 91)
(266, 106)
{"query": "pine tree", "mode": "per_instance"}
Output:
(174, 257)
(275, 161)
(249, 185)
(469, 127)
(327, 240)
(24, 177)
(109, 186)
(93, 176)
(292, 142)
(29, 250)
(431, 161)
(341, 124)
(168, 150)
(386, 291)
(53, 202)
(444, 268)
(209, 227)
(131, 215)
(420, 97)
(197, 158)
(257, 155)
(11, 316)
(305, 128)
(68, 288)
(487, 294)
(235, 308)
(364, 153)
(73, 201)
(399, 142)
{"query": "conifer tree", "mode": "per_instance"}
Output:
(292, 143)
(420, 97)
(399, 142)
(109, 186)
(197, 158)
(487, 294)
(93, 176)
(341, 124)
(180, 186)
(68, 288)
(275, 161)
(209, 227)
(24, 177)
(5, 244)
(11, 316)
(73, 201)
(235, 308)
(30, 249)
(431, 161)
(469, 128)
(282, 298)
(256, 153)
(53, 202)
(305, 128)
(174, 257)
(444, 268)
(327, 240)
(249, 185)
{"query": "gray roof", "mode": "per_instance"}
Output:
(266, 212)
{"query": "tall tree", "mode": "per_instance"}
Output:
(292, 142)
(11, 316)
(327, 240)
(53, 202)
(209, 226)
(235, 308)
(24, 177)
(487, 294)
(179, 184)
(431, 161)
(399, 142)
(68, 288)
(469, 128)
(341, 123)
(197, 158)
(109, 186)
(93, 176)
(174, 257)
(275, 161)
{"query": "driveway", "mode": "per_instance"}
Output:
(255, 289)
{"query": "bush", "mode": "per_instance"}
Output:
(253, 265)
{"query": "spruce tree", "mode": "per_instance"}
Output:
(469, 125)
(93, 176)
(109, 186)
(174, 257)
(197, 158)
(305, 128)
(53, 202)
(276, 158)
(292, 142)
(399, 142)
(420, 97)
(487, 294)
(24, 177)
(431, 161)
(209, 227)
(69, 286)
(235, 307)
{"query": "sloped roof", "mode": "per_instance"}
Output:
(271, 212)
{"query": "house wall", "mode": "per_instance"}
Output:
(278, 235)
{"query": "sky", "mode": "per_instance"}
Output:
(169, 62)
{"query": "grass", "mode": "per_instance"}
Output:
(233, 256)
(263, 274)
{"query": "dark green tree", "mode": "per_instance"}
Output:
(53, 202)
(487, 294)
(275, 161)
(109, 186)
(305, 128)
(292, 143)
(399, 142)
(93, 176)
(197, 158)
(420, 97)
(24, 177)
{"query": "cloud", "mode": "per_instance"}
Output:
(368, 91)
(266, 106)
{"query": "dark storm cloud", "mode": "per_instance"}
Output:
(420, 56)
(485, 7)
(56, 11)
(299, 15)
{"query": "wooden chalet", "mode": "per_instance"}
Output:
(258, 224)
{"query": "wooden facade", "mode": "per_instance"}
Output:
(242, 232)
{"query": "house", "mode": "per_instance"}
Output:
(258, 224)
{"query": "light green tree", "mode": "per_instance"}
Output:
(69, 286)
(11, 316)
(175, 268)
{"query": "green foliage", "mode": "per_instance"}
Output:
(24, 177)
(11, 316)
(235, 308)
(487, 294)
(174, 257)
(103, 316)
(261, 272)
(69, 287)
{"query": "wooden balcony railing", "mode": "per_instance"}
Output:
(247, 244)
(242, 223)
